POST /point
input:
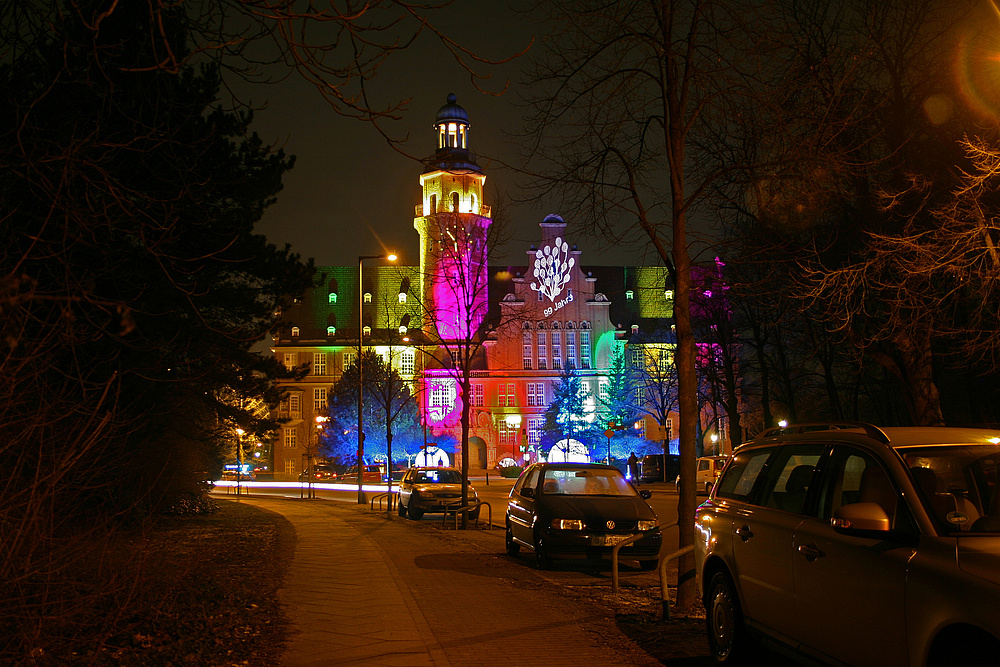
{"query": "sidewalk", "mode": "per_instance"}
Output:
(362, 589)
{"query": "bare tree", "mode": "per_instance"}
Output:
(622, 89)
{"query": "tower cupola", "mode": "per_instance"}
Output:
(452, 126)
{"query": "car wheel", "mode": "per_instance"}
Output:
(542, 559)
(727, 636)
(648, 564)
(414, 509)
(513, 548)
(400, 507)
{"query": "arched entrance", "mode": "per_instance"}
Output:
(569, 451)
(477, 452)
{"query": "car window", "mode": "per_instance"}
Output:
(790, 477)
(738, 479)
(437, 477)
(528, 480)
(703, 465)
(586, 482)
(958, 484)
(855, 476)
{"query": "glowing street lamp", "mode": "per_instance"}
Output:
(361, 335)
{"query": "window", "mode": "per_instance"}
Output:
(367, 331)
(406, 362)
(290, 467)
(319, 363)
(556, 350)
(584, 349)
(534, 429)
(742, 474)
(640, 428)
(508, 434)
(790, 477)
(669, 429)
(629, 294)
(570, 349)
(402, 297)
(854, 476)
(602, 390)
(319, 399)
(477, 395)
(331, 331)
(402, 329)
(295, 406)
(291, 360)
(349, 358)
(454, 202)
(290, 440)
(333, 297)
(368, 297)
(526, 350)
(505, 399)
(542, 349)
(536, 394)
(295, 331)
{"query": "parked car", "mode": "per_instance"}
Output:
(856, 545)
(580, 509)
(651, 468)
(707, 470)
(371, 474)
(322, 472)
(423, 490)
(230, 476)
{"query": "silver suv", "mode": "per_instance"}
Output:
(854, 544)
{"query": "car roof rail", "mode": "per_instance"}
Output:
(872, 431)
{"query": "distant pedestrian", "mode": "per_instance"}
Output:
(633, 468)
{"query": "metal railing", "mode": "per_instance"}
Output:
(390, 498)
(661, 568)
(465, 509)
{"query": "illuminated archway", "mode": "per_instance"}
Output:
(432, 457)
(569, 451)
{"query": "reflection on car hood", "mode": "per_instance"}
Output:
(980, 557)
(598, 507)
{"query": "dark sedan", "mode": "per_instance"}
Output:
(580, 509)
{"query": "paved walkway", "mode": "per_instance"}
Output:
(365, 590)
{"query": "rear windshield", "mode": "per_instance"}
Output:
(587, 482)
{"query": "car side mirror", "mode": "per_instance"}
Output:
(528, 492)
(645, 494)
(861, 517)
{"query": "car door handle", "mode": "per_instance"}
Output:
(745, 533)
(810, 552)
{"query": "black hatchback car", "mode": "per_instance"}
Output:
(580, 509)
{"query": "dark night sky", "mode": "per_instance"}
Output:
(350, 194)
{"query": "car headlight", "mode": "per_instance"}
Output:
(567, 524)
(647, 525)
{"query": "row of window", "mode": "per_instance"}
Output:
(407, 361)
(535, 350)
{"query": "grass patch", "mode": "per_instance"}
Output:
(190, 590)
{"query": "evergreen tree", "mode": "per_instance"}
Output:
(565, 418)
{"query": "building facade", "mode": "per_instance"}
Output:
(497, 339)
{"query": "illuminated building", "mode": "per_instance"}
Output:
(537, 319)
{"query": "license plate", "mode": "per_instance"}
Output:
(607, 540)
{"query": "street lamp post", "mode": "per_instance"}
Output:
(361, 403)
(239, 457)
